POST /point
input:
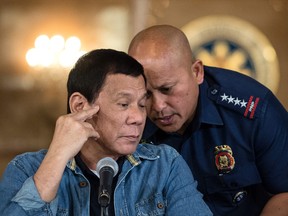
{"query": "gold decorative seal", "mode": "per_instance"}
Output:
(224, 159)
(232, 43)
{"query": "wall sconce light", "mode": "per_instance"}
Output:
(54, 51)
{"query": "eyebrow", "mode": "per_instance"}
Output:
(123, 94)
(126, 94)
(166, 85)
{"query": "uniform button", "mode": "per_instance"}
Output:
(160, 205)
(214, 91)
(239, 196)
(83, 184)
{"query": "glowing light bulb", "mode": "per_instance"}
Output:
(54, 52)
(42, 42)
(32, 57)
(73, 43)
(57, 43)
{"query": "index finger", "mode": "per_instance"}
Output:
(83, 115)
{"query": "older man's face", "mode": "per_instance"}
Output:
(121, 118)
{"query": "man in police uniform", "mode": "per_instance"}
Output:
(231, 130)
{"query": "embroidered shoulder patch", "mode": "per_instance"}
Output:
(245, 104)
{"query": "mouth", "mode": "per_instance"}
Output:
(166, 120)
(132, 138)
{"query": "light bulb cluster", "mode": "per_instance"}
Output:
(54, 51)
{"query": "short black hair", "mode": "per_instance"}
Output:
(90, 71)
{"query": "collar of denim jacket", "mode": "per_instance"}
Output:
(72, 164)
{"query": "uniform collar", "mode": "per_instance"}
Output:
(207, 110)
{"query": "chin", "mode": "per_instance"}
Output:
(169, 129)
(128, 150)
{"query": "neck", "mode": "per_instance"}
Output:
(91, 155)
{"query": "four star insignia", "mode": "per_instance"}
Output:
(236, 101)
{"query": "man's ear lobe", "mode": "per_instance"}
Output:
(77, 102)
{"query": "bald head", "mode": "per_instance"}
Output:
(173, 76)
(161, 40)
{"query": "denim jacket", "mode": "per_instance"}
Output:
(155, 180)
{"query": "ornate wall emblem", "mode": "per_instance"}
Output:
(229, 42)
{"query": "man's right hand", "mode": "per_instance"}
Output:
(71, 132)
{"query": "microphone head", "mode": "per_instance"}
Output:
(104, 162)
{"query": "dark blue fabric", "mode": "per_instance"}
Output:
(237, 111)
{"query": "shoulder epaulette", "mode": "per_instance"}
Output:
(247, 105)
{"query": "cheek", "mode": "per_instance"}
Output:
(183, 97)
(184, 100)
(102, 122)
(148, 105)
(107, 129)
(192, 92)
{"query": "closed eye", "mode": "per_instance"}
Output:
(142, 104)
(165, 90)
(123, 104)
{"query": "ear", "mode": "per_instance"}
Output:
(198, 71)
(77, 102)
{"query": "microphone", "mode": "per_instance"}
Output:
(106, 169)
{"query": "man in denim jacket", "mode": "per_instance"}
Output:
(106, 106)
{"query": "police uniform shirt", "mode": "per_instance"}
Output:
(237, 144)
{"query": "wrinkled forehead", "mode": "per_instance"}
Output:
(122, 84)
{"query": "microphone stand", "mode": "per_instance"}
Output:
(104, 201)
(104, 211)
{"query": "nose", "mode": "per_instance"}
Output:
(137, 116)
(158, 102)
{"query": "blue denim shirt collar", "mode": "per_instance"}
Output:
(134, 159)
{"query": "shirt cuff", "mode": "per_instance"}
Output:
(29, 198)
